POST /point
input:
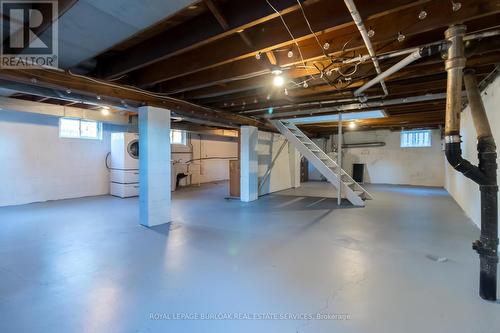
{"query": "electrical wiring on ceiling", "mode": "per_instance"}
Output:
(311, 30)
(291, 35)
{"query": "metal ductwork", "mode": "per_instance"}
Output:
(485, 173)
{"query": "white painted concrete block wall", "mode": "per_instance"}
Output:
(392, 164)
(463, 190)
(286, 169)
(36, 165)
(211, 146)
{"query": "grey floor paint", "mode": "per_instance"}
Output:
(85, 265)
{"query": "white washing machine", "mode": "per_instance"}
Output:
(125, 151)
(124, 165)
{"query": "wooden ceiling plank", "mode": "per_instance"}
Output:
(325, 15)
(199, 31)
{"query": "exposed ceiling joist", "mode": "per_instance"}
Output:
(384, 41)
(199, 31)
(63, 81)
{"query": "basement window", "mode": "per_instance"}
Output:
(80, 129)
(415, 139)
(177, 137)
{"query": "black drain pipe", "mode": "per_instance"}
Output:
(487, 246)
(485, 173)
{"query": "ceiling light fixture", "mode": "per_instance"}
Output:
(290, 54)
(105, 111)
(401, 37)
(258, 55)
(422, 15)
(278, 81)
(456, 6)
(277, 71)
(352, 125)
(326, 46)
(305, 85)
(371, 33)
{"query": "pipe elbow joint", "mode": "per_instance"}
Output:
(454, 157)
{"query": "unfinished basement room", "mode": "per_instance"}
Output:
(281, 166)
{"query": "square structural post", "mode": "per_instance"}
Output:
(154, 166)
(249, 184)
(294, 161)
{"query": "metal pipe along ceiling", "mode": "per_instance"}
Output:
(364, 34)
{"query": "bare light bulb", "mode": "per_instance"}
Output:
(371, 33)
(326, 46)
(352, 125)
(258, 55)
(401, 37)
(278, 81)
(290, 54)
(105, 111)
(456, 6)
(305, 85)
(422, 15)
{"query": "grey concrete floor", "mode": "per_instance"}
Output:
(85, 265)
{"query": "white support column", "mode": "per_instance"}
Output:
(249, 165)
(154, 166)
(294, 161)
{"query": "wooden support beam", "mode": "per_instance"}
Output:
(78, 84)
(272, 58)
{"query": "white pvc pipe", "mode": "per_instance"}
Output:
(364, 34)
(415, 55)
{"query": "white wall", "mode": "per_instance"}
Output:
(392, 164)
(462, 189)
(282, 174)
(215, 151)
(37, 165)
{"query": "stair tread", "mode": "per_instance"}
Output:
(291, 131)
